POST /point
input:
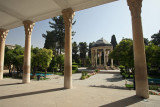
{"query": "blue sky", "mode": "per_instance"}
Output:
(97, 22)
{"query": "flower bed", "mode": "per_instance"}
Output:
(85, 74)
(154, 93)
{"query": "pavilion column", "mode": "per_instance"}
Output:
(3, 34)
(92, 57)
(139, 50)
(99, 57)
(68, 16)
(107, 57)
(96, 56)
(112, 63)
(104, 50)
(28, 26)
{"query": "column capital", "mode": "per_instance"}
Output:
(3, 33)
(68, 16)
(28, 26)
(135, 7)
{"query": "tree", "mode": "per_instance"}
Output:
(124, 53)
(113, 41)
(18, 58)
(50, 40)
(146, 41)
(60, 61)
(45, 57)
(83, 48)
(75, 55)
(153, 55)
(58, 34)
(8, 59)
(156, 38)
(89, 52)
(34, 60)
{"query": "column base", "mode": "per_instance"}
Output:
(26, 78)
(142, 88)
(67, 82)
(1, 75)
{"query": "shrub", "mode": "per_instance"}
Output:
(84, 73)
(55, 69)
(154, 87)
(122, 69)
(96, 70)
(74, 71)
(153, 71)
(74, 67)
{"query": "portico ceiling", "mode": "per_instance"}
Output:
(14, 12)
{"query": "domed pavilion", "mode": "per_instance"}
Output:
(101, 48)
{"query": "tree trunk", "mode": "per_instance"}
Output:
(9, 70)
(60, 50)
(45, 72)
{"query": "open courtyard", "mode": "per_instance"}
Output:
(105, 89)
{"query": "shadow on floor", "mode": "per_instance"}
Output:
(110, 86)
(124, 102)
(114, 79)
(109, 72)
(30, 93)
(11, 84)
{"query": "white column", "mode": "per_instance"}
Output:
(68, 17)
(3, 34)
(96, 56)
(112, 63)
(28, 26)
(104, 50)
(139, 50)
(107, 57)
(92, 57)
(100, 58)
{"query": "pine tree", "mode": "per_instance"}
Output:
(113, 41)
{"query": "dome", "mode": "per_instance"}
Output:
(101, 42)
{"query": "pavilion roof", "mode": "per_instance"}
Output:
(101, 42)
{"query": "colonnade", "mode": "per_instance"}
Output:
(28, 27)
(96, 53)
(138, 43)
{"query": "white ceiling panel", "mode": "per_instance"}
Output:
(14, 12)
(6, 19)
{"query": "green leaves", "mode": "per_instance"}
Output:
(55, 39)
(44, 57)
(123, 52)
(156, 38)
(113, 41)
(153, 55)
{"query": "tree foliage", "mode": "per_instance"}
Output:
(75, 50)
(156, 38)
(55, 38)
(153, 55)
(83, 48)
(113, 41)
(124, 53)
(146, 41)
(50, 40)
(89, 52)
(45, 57)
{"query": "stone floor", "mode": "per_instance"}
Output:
(105, 89)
